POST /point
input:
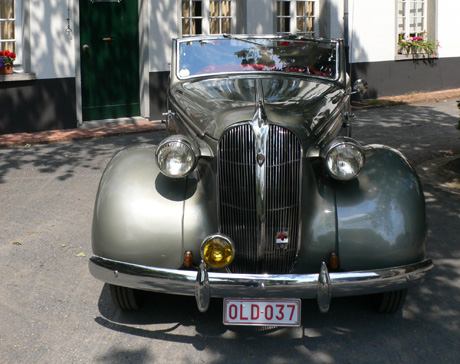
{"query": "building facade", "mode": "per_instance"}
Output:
(78, 61)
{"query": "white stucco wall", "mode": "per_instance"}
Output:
(449, 28)
(372, 28)
(260, 17)
(164, 17)
(372, 31)
(52, 52)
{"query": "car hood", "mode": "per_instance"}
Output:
(304, 105)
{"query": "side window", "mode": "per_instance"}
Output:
(296, 17)
(416, 28)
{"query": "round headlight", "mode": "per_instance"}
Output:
(176, 157)
(343, 158)
(217, 251)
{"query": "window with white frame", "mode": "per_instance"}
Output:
(192, 17)
(7, 26)
(206, 17)
(220, 17)
(411, 17)
(11, 29)
(416, 28)
(295, 17)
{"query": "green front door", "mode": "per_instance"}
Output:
(109, 58)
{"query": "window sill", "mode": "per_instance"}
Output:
(15, 77)
(414, 56)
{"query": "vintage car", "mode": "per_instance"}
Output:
(259, 195)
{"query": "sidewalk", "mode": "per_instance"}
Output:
(57, 136)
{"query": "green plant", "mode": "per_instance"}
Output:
(413, 44)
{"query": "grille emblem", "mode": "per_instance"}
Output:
(282, 240)
(260, 159)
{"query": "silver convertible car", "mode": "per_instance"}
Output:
(259, 195)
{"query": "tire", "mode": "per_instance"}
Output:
(390, 302)
(124, 298)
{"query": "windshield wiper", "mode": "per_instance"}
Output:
(229, 36)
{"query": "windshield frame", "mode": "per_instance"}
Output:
(253, 40)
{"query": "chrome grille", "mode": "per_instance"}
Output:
(254, 232)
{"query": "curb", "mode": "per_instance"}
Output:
(67, 135)
(412, 99)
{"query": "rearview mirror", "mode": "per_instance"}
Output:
(360, 86)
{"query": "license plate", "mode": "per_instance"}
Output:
(261, 312)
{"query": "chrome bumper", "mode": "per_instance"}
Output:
(204, 284)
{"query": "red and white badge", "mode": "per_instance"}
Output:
(282, 239)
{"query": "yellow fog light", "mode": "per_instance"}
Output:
(217, 251)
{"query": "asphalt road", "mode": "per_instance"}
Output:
(53, 311)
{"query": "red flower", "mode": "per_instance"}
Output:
(2, 54)
(12, 55)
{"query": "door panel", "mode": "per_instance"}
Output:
(109, 58)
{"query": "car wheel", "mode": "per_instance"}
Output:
(124, 298)
(390, 302)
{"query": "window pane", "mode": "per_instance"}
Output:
(286, 25)
(196, 8)
(197, 26)
(186, 26)
(227, 26)
(214, 26)
(301, 25)
(185, 9)
(283, 8)
(226, 8)
(311, 25)
(214, 8)
(401, 8)
(301, 10)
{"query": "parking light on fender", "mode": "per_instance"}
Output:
(217, 251)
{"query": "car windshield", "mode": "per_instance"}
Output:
(198, 57)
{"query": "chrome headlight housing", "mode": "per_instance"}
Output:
(176, 156)
(343, 158)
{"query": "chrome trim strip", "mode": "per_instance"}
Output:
(260, 129)
(183, 282)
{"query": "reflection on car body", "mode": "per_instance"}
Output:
(259, 195)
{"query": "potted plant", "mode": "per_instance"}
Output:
(417, 44)
(6, 62)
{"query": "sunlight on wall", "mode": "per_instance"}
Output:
(449, 28)
(163, 27)
(52, 52)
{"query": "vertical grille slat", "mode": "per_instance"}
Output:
(237, 173)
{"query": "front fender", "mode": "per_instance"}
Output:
(139, 212)
(381, 216)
